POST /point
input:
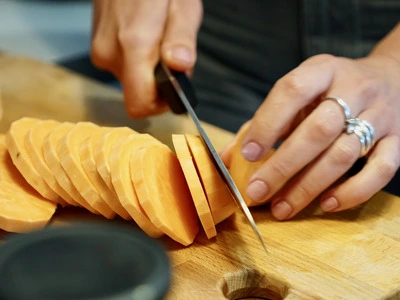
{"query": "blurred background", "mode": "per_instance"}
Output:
(56, 31)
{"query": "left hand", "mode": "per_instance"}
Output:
(317, 152)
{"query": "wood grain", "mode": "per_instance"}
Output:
(349, 255)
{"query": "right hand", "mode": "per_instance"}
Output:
(131, 36)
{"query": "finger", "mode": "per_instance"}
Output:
(380, 168)
(290, 94)
(140, 39)
(325, 171)
(178, 48)
(311, 137)
(105, 52)
(316, 133)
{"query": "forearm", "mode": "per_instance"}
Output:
(389, 45)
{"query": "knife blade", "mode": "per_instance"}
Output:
(175, 88)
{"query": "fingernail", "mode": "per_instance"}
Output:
(329, 204)
(181, 53)
(252, 151)
(281, 210)
(257, 190)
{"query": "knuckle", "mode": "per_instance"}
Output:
(132, 39)
(386, 169)
(345, 154)
(368, 88)
(101, 54)
(305, 190)
(128, 38)
(326, 128)
(281, 169)
(293, 84)
(322, 58)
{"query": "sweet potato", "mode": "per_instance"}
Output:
(22, 209)
(111, 171)
(102, 150)
(68, 152)
(33, 144)
(194, 184)
(163, 192)
(15, 140)
(52, 160)
(218, 195)
(89, 165)
(121, 179)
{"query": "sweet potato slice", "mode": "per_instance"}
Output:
(52, 160)
(241, 169)
(121, 179)
(22, 209)
(163, 192)
(89, 165)
(68, 152)
(194, 184)
(219, 198)
(102, 150)
(33, 144)
(15, 140)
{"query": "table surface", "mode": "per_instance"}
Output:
(349, 255)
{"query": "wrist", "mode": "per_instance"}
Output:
(389, 46)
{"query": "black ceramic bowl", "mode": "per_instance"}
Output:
(83, 261)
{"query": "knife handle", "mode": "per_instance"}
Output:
(169, 82)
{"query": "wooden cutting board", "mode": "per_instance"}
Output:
(349, 255)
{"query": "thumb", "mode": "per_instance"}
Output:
(178, 48)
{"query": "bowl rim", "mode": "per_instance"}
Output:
(159, 278)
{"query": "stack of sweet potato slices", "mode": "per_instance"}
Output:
(116, 171)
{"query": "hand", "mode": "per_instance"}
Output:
(317, 152)
(129, 38)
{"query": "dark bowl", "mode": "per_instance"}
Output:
(84, 261)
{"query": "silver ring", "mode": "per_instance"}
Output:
(346, 108)
(364, 131)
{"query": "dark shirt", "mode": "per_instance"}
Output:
(244, 46)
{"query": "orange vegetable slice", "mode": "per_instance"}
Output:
(219, 198)
(121, 180)
(22, 209)
(15, 140)
(163, 192)
(241, 169)
(102, 150)
(89, 165)
(194, 184)
(68, 152)
(52, 160)
(33, 144)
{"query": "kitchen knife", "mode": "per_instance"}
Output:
(175, 88)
